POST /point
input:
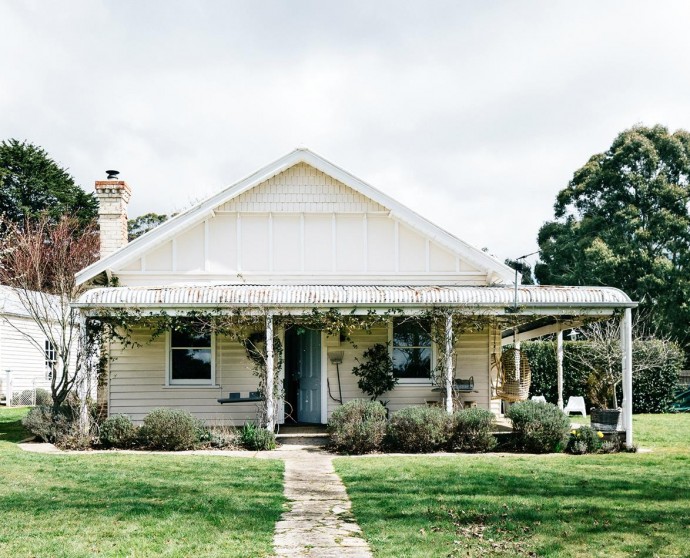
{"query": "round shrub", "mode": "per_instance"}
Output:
(118, 431)
(420, 429)
(584, 440)
(358, 426)
(43, 397)
(538, 427)
(255, 438)
(472, 430)
(169, 429)
(49, 427)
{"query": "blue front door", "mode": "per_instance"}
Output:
(303, 372)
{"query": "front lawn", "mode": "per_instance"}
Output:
(552, 505)
(124, 505)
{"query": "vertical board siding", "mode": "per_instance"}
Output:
(301, 221)
(318, 243)
(189, 249)
(287, 239)
(160, 259)
(222, 247)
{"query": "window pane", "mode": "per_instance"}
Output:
(412, 363)
(191, 364)
(190, 339)
(411, 333)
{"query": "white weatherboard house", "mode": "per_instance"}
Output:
(28, 359)
(302, 233)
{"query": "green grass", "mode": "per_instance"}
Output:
(553, 505)
(11, 429)
(124, 505)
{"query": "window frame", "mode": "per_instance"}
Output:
(50, 350)
(432, 362)
(189, 383)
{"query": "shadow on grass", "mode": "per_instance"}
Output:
(136, 505)
(560, 505)
(11, 429)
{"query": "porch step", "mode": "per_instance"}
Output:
(297, 440)
(302, 436)
(302, 429)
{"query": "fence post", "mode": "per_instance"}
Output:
(8, 388)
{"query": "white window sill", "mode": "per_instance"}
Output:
(414, 382)
(192, 386)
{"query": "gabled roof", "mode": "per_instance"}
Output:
(204, 209)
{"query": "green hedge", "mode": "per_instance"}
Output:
(652, 389)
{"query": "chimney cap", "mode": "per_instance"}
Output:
(112, 174)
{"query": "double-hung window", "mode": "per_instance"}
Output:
(412, 350)
(50, 359)
(191, 358)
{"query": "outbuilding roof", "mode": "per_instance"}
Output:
(16, 302)
(351, 296)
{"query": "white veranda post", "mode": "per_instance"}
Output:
(559, 365)
(82, 378)
(270, 406)
(626, 346)
(450, 372)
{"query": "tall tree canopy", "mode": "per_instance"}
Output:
(144, 223)
(624, 221)
(31, 184)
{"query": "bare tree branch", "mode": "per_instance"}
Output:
(40, 261)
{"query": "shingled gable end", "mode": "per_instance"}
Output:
(299, 234)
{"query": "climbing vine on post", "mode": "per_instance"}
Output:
(247, 326)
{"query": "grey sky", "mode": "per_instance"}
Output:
(474, 114)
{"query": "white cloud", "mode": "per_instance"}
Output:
(474, 114)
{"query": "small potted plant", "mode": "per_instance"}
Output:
(375, 372)
(601, 385)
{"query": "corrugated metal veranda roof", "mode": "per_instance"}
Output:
(216, 295)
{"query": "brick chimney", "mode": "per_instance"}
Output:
(113, 196)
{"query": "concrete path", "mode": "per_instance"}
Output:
(319, 523)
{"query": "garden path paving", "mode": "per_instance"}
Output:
(319, 522)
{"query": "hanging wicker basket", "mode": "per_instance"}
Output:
(513, 376)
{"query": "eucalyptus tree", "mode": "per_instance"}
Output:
(624, 221)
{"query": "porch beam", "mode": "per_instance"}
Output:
(450, 372)
(626, 346)
(528, 334)
(270, 359)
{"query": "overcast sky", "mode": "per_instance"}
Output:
(475, 114)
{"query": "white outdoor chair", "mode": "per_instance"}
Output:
(576, 404)
(539, 398)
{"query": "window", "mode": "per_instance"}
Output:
(51, 359)
(191, 358)
(412, 354)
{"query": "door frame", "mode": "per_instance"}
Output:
(324, 379)
(281, 379)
